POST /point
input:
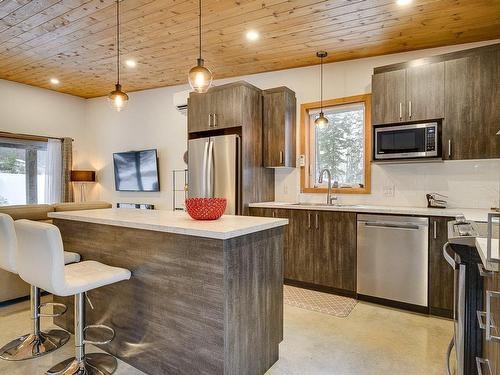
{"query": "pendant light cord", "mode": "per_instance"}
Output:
(118, 41)
(321, 84)
(199, 25)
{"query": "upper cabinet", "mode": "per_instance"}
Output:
(388, 97)
(472, 106)
(221, 107)
(279, 125)
(425, 92)
(461, 88)
(410, 94)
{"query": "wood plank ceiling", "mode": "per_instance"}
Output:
(74, 40)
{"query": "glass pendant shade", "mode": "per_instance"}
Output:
(200, 78)
(117, 98)
(321, 119)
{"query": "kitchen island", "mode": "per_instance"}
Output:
(204, 297)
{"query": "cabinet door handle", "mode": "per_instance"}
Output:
(209, 120)
(274, 213)
(400, 110)
(317, 221)
(214, 116)
(409, 108)
(449, 148)
(489, 318)
(309, 220)
(281, 157)
(435, 230)
(483, 361)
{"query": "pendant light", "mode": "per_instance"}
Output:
(200, 78)
(117, 98)
(321, 120)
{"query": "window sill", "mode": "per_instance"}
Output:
(364, 190)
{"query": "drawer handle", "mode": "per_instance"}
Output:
(483, 361)
(490, 324)
(480, 316)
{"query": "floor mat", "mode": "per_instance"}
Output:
(317, 301)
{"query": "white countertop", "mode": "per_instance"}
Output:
(228, 226)
(475, 214)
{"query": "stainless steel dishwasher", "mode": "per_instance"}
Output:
(393, 257)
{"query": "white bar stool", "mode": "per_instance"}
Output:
(36, 343)
(41, 263)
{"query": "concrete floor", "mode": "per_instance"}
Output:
(372, 340)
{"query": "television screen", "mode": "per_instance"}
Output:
(136, 171)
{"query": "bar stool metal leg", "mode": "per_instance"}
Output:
(37, 343)
(84, 364)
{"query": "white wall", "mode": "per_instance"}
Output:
(30, 110)
(151, 121)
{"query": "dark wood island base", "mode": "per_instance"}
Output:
(194, 305)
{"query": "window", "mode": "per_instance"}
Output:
(343, 146)
(22, 171)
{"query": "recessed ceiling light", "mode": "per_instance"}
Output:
(131, 63)
(54, 81)
(403, 2)
(252, 35)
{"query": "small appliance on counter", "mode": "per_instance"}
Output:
(434, 200)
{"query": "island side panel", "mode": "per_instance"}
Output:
(253, 269)
(169, 316)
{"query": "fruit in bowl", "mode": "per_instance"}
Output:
(206, 208)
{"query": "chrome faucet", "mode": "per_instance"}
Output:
(329, 198)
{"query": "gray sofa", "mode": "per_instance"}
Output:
(11, 285)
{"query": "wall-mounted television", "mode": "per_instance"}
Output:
(136, 171)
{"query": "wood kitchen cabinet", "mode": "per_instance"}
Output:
(279, 124)
(472, 106)
(335, 250)
(221, 107)
(441, 280)
(425, 92)
(320, 248)
(410, 94)
(388, 97)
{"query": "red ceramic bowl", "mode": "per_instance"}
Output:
(206, 208)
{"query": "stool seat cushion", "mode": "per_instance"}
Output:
(70, 257)
(89, 274)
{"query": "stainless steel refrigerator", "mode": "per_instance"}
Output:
(214, 165)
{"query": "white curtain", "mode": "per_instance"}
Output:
(53, 172)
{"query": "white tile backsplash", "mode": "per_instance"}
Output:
(467, 183)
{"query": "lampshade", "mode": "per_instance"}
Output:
(321, 119)
(83, 176)
(200, 78)
(117, 99)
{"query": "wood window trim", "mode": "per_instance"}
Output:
(304, 118)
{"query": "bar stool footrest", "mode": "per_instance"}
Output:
(99, 326)
(65, 308)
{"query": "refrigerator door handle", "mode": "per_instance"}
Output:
(204, 170)
(210, 170)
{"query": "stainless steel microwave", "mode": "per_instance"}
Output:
(407, 141)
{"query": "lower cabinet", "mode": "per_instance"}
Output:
(320, 247)
(440, 273)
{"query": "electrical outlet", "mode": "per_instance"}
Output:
(302, 160)
(389, 190)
